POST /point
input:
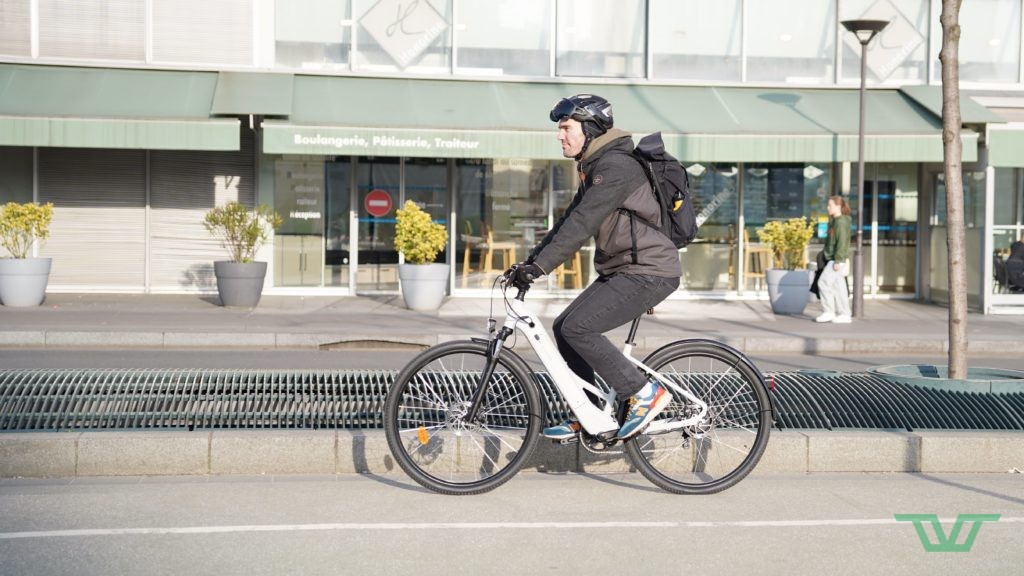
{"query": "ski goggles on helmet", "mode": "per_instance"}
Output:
(584, 108)
(566, 108)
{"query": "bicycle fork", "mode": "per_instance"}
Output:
(494, 347)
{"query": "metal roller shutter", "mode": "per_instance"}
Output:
(97, 238)
(183, 186)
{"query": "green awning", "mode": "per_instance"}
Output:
(240, 93)
(475, 119)
(970, 111)
(111, 108)
(1006, 147)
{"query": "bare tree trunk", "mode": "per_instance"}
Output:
(952, 150)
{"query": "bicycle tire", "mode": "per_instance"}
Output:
(438, 449)
(727, 444)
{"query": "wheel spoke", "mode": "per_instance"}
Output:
(726, 444)
(439, 448)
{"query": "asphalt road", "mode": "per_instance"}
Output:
(536, 524)
(394, 359)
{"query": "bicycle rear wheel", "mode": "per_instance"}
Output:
(424, 419)
(727, 443)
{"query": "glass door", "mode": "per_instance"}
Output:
(378, 195)
(382, 186)
(299, 241)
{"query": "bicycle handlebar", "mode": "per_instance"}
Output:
(509, 278)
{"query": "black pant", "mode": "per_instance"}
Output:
(606, 304)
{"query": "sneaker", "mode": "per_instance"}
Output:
(842, 319)
(563, 431)
(826, 317)
(643, 407)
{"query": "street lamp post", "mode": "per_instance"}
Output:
(864, 30)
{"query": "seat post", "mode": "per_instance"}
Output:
(630, 340)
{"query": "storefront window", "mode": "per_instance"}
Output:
(974, 199)
(1008, 228)
(780, 192)
(894, 210)
(900, 52)
(578, 271)
(603, 38)
(313, 34)
(506, 37)
(394, 36)
(974, 219)
(503, 212)
(698, 40)
(298, 243)
(336, 222)
(791, 41)
(989, 42)
(709, 262)
(16, 175)
(1007, 197)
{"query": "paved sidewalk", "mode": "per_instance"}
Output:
(187, 321)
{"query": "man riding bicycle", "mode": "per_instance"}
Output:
(637, 265)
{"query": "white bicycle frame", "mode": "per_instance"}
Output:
(593, 419)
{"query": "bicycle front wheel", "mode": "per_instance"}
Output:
(429, 435)
(727, 443)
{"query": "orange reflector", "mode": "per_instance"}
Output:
(423, 436)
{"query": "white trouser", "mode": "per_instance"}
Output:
(832, 286)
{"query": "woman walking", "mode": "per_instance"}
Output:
(832, 285)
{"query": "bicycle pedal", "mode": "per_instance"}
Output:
(566, 441)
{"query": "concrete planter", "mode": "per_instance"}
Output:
(423, 285)
(240, 285)
(788, 290)
(23, 281)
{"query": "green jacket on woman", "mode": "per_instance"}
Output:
(837, 244)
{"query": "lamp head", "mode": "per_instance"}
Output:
(865, 30)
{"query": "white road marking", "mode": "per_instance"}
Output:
(92, 532)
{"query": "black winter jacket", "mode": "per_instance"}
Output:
(1014, 266)
(611, 179)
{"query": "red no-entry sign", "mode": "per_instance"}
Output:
(378, 203)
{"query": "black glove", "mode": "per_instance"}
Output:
(526, 273)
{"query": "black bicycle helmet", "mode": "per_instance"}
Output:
(585, 108)
(592, 112)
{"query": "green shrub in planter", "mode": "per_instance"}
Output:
(788, 240)
(417, 236)
(241, 230)
(420, 240)
(23, 279)
(21, 225)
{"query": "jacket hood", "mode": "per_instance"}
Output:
(607, 141)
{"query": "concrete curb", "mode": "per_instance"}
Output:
(317, 340)
(250, 452)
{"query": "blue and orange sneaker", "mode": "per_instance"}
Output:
(563, 431)
(643, 407)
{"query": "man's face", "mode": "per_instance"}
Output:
(570, 135)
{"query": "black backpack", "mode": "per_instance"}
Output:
(671, 187)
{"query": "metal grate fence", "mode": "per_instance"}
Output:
(353, 399)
